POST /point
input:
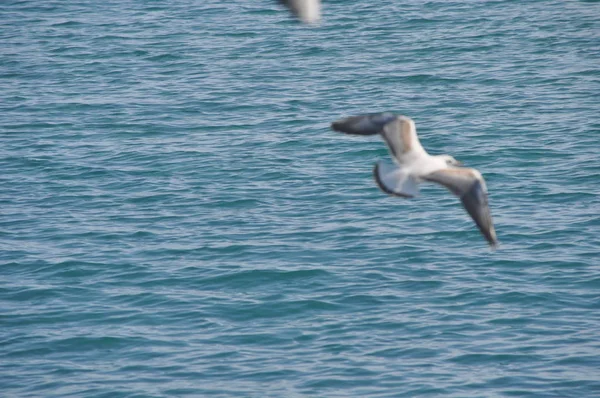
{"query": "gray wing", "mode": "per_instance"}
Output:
(469, 186)
(400, 135)
(369, 124)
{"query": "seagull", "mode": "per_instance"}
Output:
(308, 11)
(414, 165)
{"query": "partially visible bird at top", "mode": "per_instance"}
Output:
(414, 165)
(308, 11)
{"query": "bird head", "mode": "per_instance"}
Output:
(450, 161)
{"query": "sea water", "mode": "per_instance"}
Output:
(177, 218)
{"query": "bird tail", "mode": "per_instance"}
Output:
(394, 180)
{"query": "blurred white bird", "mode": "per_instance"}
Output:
(308, 11)
(414, 165)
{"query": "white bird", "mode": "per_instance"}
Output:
(308, 11)
(414, 165)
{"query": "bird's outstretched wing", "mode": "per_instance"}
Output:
(394, 180)
(370, 124)
(400, 135)
(469, 186)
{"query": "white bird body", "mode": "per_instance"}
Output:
(413, 165)
(424, 164)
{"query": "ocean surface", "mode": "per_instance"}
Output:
(178, 220)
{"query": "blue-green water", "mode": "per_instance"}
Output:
(177, 219)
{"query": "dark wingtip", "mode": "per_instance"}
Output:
(490, 236)
(492, 241)
(345, 126)
(476, 204)
(357, 125)
(336, 126)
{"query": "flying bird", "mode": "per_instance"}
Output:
(308, 11)
(414, 165)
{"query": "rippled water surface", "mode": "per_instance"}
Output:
(177, 219)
